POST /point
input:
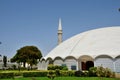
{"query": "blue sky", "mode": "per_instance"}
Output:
(35, 22)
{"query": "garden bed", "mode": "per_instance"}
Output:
(63, 78)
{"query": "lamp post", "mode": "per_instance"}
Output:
(0, 43)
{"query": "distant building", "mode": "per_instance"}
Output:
(98, 47)
(1, 62)
(9, 64)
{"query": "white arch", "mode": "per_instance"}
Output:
(104, 61)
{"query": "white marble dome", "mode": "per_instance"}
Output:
(102, 41)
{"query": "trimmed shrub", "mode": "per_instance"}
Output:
(54, 67)
(51, 67)
(92, 71)
(85, 73)
(57, 72)
(51, 74)
(64, 68)
(78, 73)
(58, 67)
(81, 73)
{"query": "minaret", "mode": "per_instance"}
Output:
(59, 32)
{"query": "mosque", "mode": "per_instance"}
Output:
(98, 47)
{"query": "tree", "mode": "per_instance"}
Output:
(5, 61)
(119, 9)
(27, 54)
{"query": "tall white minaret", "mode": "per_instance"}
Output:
(59, 32)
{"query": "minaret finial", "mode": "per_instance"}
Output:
(60, 24)
(59, 32)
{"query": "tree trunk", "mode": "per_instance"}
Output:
(5, 61)
(24, 64)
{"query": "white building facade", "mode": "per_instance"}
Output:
(98, 47)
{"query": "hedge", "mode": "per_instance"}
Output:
(35, 74)
(44, 73)
(6, 75)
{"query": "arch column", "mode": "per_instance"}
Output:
(114, 69)
(79, 65)
(117, 64)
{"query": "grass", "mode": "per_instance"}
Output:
(63, 78)
(7, 71)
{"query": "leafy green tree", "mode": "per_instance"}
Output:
(27, 54)
(5, 61)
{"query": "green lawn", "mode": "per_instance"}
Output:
(63, 78)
